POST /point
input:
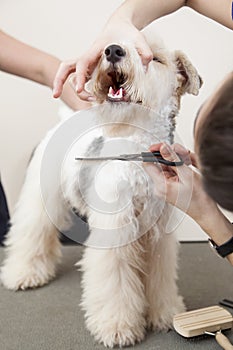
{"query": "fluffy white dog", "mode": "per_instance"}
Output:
(129, 284)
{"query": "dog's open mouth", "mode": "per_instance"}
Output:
(116, 92)
(113, 85)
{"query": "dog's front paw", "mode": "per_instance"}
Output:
(112, 331)
(120, 336)
(161, 319)
(23, 276)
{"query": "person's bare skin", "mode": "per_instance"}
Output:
(126, 22)
(175, 183)
(35, 65)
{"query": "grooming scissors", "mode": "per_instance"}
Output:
(151, 157)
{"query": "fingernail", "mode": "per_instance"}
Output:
(91, 99)
(54, 92)
(77, 88)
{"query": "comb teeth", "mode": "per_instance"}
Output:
(194, 323)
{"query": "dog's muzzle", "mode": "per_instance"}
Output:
(114, 79)
(114, 54)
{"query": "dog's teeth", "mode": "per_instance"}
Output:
(119, 93)
(111, 92)
(115, 95)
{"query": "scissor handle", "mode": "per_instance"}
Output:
(223, 341)
(155, 157)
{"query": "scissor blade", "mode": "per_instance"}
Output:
(120, 157)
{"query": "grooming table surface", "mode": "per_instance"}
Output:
(49, 318)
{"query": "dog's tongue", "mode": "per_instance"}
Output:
(119, 94)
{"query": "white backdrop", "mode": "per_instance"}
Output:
(66, 29)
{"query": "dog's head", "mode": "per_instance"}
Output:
(120, 76)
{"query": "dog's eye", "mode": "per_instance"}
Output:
(156, 59)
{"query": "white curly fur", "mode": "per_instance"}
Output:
(126, 287)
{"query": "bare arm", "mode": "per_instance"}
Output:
(25, 61)
(141, 15)
(218, 10)
(126, 22)
(182, 187)
(215, 224)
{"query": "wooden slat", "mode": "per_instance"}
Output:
(196, 322)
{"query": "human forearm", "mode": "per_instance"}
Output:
(218, 10)
(28, 62)
(23, 60)
(204, 210)
(141, 13)
(209, 217)
(213, 222)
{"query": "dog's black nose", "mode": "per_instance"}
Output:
(114, 53)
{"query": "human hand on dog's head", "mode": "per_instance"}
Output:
(83, 67)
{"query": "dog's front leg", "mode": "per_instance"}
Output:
(161, 288)
(113, 293)
(113, 297)
(32, 245)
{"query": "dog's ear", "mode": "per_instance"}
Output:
(188, 77)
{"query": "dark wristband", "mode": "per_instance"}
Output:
(224, 249)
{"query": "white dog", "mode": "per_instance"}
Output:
(130, 284)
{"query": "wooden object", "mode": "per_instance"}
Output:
(197, 322)
(223, 341)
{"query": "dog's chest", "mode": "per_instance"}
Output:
(115, 181)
